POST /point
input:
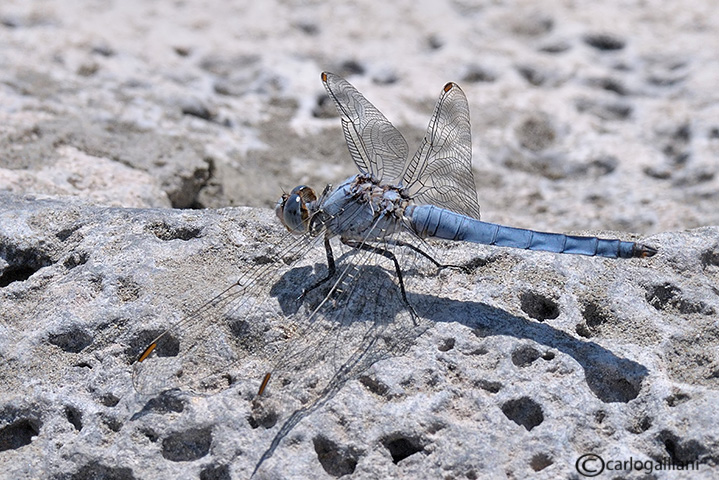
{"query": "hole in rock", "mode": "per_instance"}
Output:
(335, 460)
(18, 434)
(74, 416)
(403, 447)
(215, 472)
(538, 306)
(524, 411)
(187, 445)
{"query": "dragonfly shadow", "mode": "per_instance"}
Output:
(290, 286)
(352, 298)
(357, 323)
(610, 377)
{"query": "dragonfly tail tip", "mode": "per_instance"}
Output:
(644, 251)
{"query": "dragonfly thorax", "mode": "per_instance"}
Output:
(383, 198)
(362, 209)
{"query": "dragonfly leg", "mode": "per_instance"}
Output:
(330, 270)
(391, 256)
(426, 255)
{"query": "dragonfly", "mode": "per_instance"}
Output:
(392, 205)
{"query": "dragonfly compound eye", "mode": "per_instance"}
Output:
(295, 214)
(280, 206)
(306, 193)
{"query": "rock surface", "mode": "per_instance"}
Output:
(586, 117)
(520, 364)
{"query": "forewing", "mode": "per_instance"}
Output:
(233, 333)
(440, 173)
(375, 144)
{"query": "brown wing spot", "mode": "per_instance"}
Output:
(264, 383)
(448, 87)
(324, 77)
(147, 352)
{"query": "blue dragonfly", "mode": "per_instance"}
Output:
(392, 204)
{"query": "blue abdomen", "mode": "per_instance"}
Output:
(431, 221)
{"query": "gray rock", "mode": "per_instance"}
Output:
(518, 365)
(580, 120)
(98, 179)
(108, 163)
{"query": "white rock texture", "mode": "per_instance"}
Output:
(594, 117)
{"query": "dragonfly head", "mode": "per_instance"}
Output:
(293, 208)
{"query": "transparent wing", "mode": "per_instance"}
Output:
(440, 173)
(258, 325)
(376, 146)
(235, 332)
(350, 326)
(350, 329)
